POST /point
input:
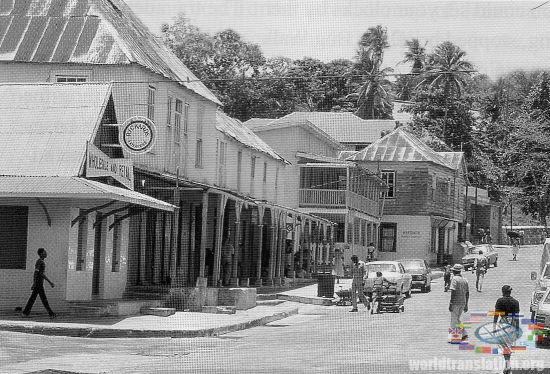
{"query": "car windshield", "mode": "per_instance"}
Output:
(413, 264)
(546, 272)
(373, 268)
(475, 251)
(547, 300)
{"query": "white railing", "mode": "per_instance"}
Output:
(337, 198)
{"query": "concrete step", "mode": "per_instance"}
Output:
(266, 296)
(269, 302)
(219, 309)
(160, 312)
(119, 307)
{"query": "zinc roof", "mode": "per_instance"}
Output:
(237, 130)
(74, 188)
(44, 127)
(252, 122)
(400, 146)
(87, 32)
(344, 127)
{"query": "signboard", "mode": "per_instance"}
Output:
(289, 226)
(98, 164)
(137, 134)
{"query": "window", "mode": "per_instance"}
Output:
(13, 237)
(253, 167)
(169, 115)
(177, 120)
(151, 103)
(221, 163)
(441, 190)
(70, 79)
(185, 118)
(200, 119)
(388, 234)
(265, 172)
(117, 232)
(276, 178)
(239, 169)
(389, 178)
(198, 154)
(82, 243)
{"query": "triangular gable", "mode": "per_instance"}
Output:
(456, 159)
(87, 32)
(44, 127)
(400, 146)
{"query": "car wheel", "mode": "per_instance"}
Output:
(429, 288)
(495, 264)
(408, 293)
(423, 289)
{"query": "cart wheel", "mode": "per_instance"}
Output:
(402, 308)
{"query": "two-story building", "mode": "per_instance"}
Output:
(190, 164)
(424, 209)
(325, 186)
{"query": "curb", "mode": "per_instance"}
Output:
(98, 332)
(306, 300)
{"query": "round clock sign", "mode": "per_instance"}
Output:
(138, 134)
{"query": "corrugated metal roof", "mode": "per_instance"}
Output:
(400, 146)
(253, 122)
(237, 130)
(343, 127)
(44, 127)
(87, 32)
(453, 158)
(74, 188)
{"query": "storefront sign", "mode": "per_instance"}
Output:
(409, 234)
(98, 164)
(137, 134)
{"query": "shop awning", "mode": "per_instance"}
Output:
(74, 188)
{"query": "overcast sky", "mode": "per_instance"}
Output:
(498, 36)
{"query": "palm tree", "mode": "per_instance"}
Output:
(373, 95)
(416, 54)
(447, 69)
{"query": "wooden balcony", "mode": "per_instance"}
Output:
(317, 198)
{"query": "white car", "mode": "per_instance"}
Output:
(541, 286)
(393, 271)
(542, 315)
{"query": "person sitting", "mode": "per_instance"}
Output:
(381, 284)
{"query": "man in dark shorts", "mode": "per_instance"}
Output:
(38, 285)
(507, 308)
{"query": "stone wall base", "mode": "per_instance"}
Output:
(241, 298)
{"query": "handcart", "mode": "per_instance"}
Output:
(344, 297)
(387, 298)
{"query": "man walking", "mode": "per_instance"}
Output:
(507, 308)
(357, 270)
(228, 254)
(480, 266)
(460, 293)
(38, 285)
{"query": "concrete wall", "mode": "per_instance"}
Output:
(413, 238)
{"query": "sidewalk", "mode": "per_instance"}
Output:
(179, 325)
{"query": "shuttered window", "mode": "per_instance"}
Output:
(13, 237)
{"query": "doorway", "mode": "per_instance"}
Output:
(96, 274)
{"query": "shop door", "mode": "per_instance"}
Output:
(441, 245)
(97, 258)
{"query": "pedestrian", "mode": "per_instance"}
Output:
(371, 249)
(480, 266)
(447, 277)
(357, 270)
(460, 293)
(488, 238)
(481, 233)
(228, 252)
(38, 285)
(515, 249)
(507, 308)
(338, 262)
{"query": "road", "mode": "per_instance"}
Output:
(318, 340)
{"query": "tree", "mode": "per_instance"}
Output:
(416, 55)
(374, 92)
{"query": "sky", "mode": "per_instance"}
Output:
(498, 36)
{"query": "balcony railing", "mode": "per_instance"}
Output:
(309, 198)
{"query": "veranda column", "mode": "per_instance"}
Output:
(308, 246)
(282, 246)
(142, 248)
(315, 235)
(273, 248)
(302, 244)
(157, 248)
(325, 245)
(188, 258)
(234, 282)
(219, 239)
(204, 227)
(261, 211)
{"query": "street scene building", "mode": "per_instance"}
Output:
(181, 201)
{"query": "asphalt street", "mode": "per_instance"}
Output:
(320, 339)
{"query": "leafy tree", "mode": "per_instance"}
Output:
(416, 55)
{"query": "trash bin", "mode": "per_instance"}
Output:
(325, 285)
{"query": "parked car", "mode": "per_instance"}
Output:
(542, 315)
(541, 286)
(420, 272)
(393, 271)
(473, 252)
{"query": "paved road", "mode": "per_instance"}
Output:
(319, 339)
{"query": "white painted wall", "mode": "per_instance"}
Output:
(413, 238)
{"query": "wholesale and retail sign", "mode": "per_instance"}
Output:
(98, 164)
